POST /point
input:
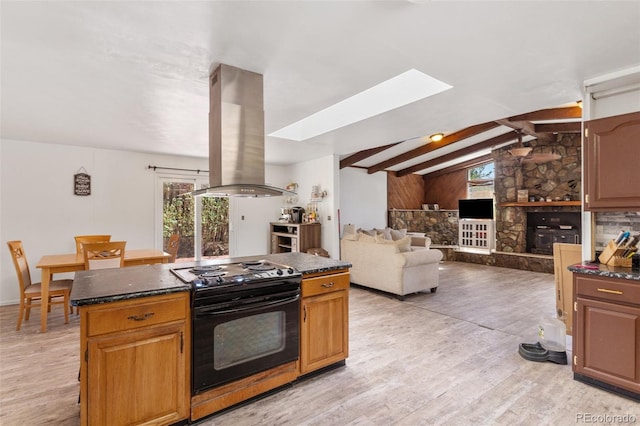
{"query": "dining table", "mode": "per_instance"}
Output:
(59, 263)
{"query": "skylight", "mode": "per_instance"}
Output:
(401, 90)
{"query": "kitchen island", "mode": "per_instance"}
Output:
(136, 322)
(606, 339)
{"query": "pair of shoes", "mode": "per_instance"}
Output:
(535, 352)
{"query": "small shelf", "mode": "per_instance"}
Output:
(543, 203)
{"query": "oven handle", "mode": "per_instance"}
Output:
(247, 308)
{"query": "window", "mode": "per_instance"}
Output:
(480, 181)
(203, 224)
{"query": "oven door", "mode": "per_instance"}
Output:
(236, 340)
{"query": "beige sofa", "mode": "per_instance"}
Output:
(391, 266)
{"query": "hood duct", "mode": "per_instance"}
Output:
(236, 136)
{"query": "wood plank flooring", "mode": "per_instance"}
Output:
(447, 358)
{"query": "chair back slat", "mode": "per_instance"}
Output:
(104, 255)
(21, 265)
(172, 247)
(83, 239)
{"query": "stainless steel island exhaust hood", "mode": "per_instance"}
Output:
(236, 136)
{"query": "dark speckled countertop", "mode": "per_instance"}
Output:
(594, 268)
(110, 285)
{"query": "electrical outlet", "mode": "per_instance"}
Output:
(328, 217)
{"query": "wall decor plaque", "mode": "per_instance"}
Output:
(82, 184)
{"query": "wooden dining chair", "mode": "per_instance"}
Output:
(172, 247)
(30, 293)
(103, 255)
(82, 239)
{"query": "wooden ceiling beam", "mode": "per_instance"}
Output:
(549, 114)
(425, 149)
(363, 155)
(571, 127)
(497, 140)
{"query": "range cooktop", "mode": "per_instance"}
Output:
(207, 276)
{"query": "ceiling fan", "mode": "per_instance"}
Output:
(525, 154)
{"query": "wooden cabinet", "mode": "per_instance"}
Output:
(135, 361)
(324, 321)
(611, 152)
(606, 341)
(294, 237)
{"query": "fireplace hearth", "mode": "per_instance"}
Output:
(546, 228)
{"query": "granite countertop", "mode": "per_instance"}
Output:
(595, 268)
(110, 285)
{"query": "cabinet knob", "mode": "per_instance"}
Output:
(328, 285)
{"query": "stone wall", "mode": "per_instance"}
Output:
(439, 225)
(554, 179)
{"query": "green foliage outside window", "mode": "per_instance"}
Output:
(179, 217)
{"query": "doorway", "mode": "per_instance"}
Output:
(202, 223)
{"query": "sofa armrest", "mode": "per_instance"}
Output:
(421, 242)
(418, 257)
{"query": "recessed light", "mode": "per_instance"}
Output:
(401, 90)
(436, 137)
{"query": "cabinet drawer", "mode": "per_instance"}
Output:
(134, 314)
(613, 289)
(325, 284)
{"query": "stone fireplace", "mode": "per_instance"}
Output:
(554, 181)
(546, 228)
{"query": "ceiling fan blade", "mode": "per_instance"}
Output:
(541, 158)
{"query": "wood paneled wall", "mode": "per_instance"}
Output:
(445, 190)
(404, 192)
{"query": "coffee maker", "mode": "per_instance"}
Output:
(296, 214)
(285, 215)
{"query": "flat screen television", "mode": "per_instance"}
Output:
(478, 208)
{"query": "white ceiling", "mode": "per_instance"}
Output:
(133, 75)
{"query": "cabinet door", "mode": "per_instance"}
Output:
(607, 343)
(138, 377)
(324, 336)
(612, 149)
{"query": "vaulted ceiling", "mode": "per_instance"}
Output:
(133, 75)
(469, 146)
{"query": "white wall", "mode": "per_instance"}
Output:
(37, 204)
(323, 172)
(363, 198)
(249, 217)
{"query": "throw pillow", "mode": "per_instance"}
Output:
(366, 238)
(370, 232)
(404, 244)
(381, 240)
(398, 234)
(386, 233)
(351, 237)
(348, 229)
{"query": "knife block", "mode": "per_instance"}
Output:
(612, 256)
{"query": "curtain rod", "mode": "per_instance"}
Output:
(173, 168)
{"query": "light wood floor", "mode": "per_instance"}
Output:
(445, 358)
